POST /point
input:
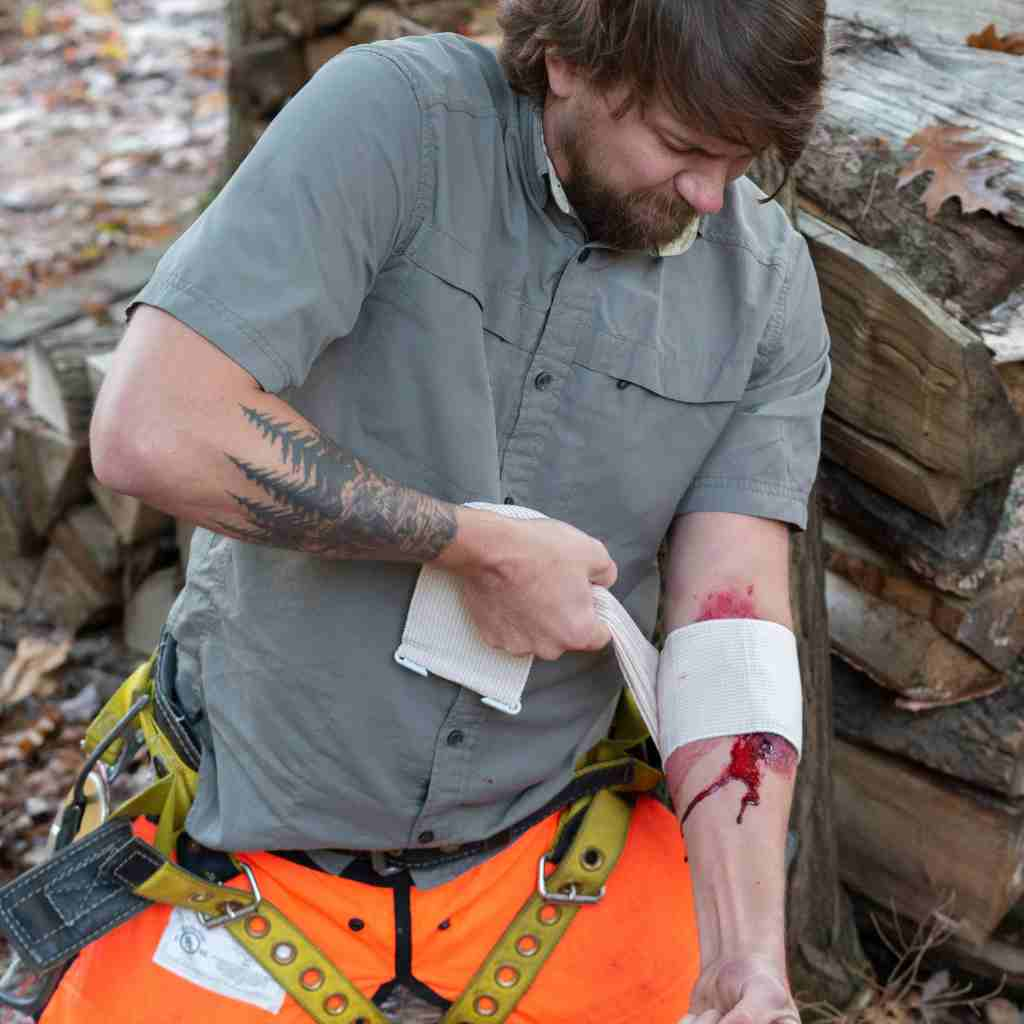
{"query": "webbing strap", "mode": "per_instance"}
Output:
(295, 962)
(520, 953)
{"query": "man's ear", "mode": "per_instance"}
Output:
(563, 78)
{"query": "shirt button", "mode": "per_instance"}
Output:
(425, 837)
(542, 381)
(455, 738)
(583, 256)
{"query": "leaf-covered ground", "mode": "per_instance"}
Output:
(113, 120)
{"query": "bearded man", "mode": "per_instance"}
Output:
(538, 280)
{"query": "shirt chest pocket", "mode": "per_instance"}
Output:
(636, 423)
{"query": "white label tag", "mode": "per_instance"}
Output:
(212, 959)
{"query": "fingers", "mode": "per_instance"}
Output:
(604, 573)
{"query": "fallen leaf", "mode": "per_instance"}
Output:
(989, 39)
(32, 21)
(28, 674)
(113, 48)
(210, 103)
(947, 153)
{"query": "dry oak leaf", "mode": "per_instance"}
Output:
(947, 153)
(989, 39)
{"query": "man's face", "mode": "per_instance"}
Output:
(637, 181)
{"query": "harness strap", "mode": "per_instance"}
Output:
(121, 874)
(579, 879)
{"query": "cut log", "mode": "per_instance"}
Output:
(17, 537)
(54, 470)
(59, 388)
(132, 520)
(69, 597)
(97, 366)
(995, 964)
(935, 495)
(148, 608)
(88, 539)
(950, 21)
(913, 841)
(851, 166)
(980, 741)
(902, 652)
(984, 544)
(17, 578)
(908, 374)
(990, 624)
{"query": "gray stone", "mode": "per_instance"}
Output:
(31, 198)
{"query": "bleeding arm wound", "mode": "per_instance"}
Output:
(728, 677)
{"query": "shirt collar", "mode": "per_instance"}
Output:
(674, 248)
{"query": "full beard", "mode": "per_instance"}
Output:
(643, 219)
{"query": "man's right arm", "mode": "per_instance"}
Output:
(183, 427)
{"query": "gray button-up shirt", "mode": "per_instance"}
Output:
(389, 259)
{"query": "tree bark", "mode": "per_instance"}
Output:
(823, 947)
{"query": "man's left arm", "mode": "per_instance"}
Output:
(732, 794)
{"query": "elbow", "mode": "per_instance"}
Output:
(117, 461)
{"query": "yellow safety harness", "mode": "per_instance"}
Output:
(601, 821)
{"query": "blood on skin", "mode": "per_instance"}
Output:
(728, 604)
(749, 753)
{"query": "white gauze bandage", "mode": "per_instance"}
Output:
(726, 677)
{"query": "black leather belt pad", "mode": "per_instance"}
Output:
(59, 907)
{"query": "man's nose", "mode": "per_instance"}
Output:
(704, 187)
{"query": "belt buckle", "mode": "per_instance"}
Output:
(571, 896)
(380, 861)
(233, 911)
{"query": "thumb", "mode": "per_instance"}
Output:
(604, 573)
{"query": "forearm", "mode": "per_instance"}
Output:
(732, 796)
(180, 426)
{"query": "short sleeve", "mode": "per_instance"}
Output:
(279, 264)
(765, 461)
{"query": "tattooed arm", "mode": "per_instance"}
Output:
(183, 427)
(733, 794)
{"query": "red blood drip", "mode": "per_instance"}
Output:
(748, 753)
(727, 604)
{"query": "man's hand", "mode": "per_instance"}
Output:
(529, 586)
(742, 990)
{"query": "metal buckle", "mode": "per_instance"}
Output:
(572, 896)
(381, 863)
(236, 911)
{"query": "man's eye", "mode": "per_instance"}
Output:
(680, 150)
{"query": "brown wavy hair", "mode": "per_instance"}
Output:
(750, 71)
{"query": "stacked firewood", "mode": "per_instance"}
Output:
(73, 553)
(922, 482)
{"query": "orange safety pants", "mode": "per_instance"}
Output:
(632, 957)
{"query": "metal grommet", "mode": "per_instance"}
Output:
(591, 858)
(507, 976)
(198, 897)
(527, 945)
(283, 952)
(549, 914)
(257, 926)
(311, 979)
(335, 1004)
(486, 1006)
